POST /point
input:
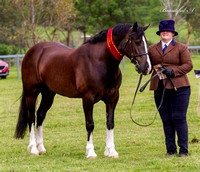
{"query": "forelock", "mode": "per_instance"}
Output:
(140, 32)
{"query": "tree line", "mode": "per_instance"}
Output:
(24, 23)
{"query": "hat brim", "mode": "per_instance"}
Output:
(175, 33)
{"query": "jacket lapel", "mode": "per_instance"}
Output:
(159, 48)
(170, 47)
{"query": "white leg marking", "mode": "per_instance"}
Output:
(148, 59)
(90, 149)
(39, 140)
(110, 147)
(32, 145)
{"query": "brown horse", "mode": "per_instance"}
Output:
(90, 72)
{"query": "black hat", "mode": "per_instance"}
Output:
(167, 25)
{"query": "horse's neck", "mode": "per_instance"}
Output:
(101, 53)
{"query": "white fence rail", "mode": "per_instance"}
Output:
(197, 48)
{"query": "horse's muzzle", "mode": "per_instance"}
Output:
(145, 69)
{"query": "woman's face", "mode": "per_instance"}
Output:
(166, 35)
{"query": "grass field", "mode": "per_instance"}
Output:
(139, 148)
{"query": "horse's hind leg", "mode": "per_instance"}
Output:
(88, 110)
(30, 101)
(46, 102)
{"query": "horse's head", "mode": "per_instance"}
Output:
(134, 46)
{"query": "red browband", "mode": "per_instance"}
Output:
(111, 45)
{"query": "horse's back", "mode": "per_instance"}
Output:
(36, 52)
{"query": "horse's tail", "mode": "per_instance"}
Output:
(22, 120)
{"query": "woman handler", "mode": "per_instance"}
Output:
(175, 58)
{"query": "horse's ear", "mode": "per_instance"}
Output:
(145, 28)
(135, 26)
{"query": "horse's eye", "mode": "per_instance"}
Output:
(137, 42)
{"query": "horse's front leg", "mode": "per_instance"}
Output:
(110, 107)
(88, 110)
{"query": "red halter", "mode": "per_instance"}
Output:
(112, 47)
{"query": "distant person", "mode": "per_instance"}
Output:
(175, 58)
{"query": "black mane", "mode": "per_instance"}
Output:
(100, 37)
(119, 30)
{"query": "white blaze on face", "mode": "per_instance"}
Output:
(148, 59)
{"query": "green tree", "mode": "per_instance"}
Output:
(184, 12)
(193, 17)
(57, 15)
(24, 23)
(154, 13)
(82, 14)
(96, 15)
(173, 8)
(9, 25)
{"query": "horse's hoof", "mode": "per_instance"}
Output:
(111, 152)
(35, 154)
(41, 149)
(91, 157)
(42, 152)
(90, 154)
(114, 156)
(33, 150)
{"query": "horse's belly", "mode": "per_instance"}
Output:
(67, 89)
(69, 94)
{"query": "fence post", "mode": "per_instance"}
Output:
(123, 64)
(198, 108)
(18, 68)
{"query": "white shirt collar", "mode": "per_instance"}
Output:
(163, 44)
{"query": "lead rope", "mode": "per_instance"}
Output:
(141, 90)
